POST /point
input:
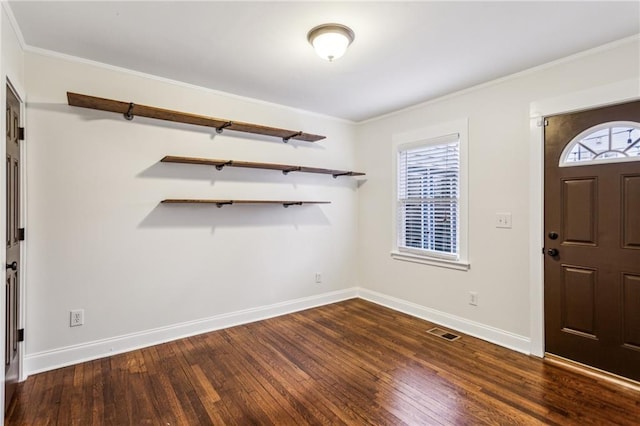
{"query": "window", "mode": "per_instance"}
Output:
(605, 143)
(430, 212)
(428, 198)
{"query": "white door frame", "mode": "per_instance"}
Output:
(622, 91)
(20, 94)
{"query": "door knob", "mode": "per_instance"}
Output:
(553, 252)
(13, 265)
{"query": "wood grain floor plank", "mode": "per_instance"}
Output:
(349, 363)
(274, 381)
(297, 392)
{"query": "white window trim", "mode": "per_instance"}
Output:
(417, 137)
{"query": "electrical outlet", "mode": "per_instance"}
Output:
(318, 277)
(76, 317)
(473, 298)
(503, 220)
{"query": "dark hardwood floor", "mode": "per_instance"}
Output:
(353, 363)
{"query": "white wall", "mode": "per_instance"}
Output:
(499, 146)
(99, 240)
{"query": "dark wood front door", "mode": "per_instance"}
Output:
(592, 238)
(12, 285)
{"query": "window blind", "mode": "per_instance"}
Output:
(428, 197)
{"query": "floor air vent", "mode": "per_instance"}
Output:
(444, 334)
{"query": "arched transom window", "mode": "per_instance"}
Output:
(605, 143)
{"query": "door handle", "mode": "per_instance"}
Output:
(13, 266)
(553, 252)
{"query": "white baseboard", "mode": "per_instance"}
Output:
(69, 355)
(494, 335)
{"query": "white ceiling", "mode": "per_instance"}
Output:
(404, 52)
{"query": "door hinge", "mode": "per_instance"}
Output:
(542, 122)
(21, 234)
(21, 133)
(21, 335)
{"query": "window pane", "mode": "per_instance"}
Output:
(428, 191)
(614, 141)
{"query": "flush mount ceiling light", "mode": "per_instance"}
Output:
(330, 40)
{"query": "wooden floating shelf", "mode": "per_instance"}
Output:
(284, 168)
(130, 109)
(220, 203)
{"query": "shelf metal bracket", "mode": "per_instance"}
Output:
(129, 114)
(336, 175)
(293, 169)
(286, 205)
(224, 203)
(220, 129)
(287, 138)
(221, 166)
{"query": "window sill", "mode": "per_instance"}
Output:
(442, 263)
